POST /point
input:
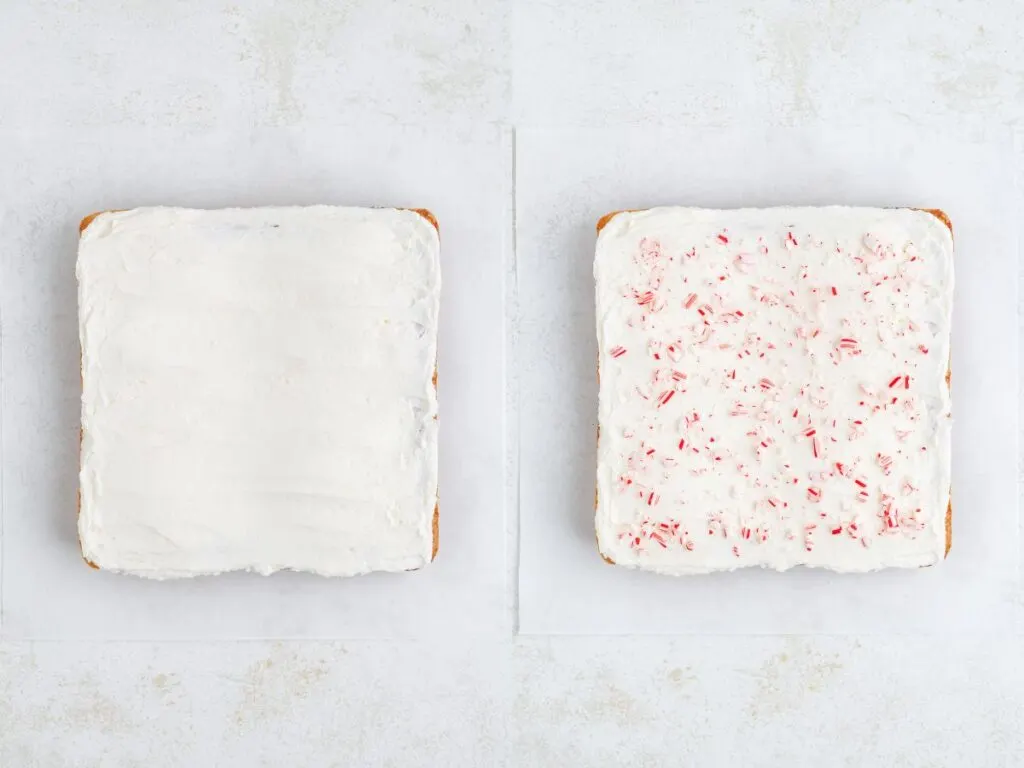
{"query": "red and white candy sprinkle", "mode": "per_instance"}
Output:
(778, 390)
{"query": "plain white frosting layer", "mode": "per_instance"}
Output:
(773, 388)
(257, 390)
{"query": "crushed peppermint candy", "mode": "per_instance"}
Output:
(792, 405)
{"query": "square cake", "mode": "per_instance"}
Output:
(774, 388)
(258, 390)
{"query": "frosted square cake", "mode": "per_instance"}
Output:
(774, 388)
(258, 390)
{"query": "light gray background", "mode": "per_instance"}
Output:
(233, 94)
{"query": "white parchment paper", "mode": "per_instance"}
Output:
(464, 179)
(566, 181)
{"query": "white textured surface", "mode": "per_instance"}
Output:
(257, 390)
(213, 100)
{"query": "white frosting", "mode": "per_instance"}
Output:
(773, 388)
(257, 390)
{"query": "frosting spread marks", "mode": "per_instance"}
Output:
(257, 390)
(773, 388)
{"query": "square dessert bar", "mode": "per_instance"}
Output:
(258, 390)
(774, 388)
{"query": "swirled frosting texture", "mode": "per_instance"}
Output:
(257, 390)
(773, 388)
